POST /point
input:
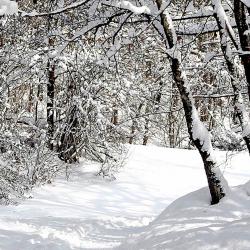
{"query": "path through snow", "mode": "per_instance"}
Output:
(88, 212)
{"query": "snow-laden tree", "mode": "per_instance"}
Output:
(87, 76)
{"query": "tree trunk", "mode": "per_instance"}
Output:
(134, 122)
(172, 119)
(69, 138)
(234, 75)
(50, 91)
(68, 142)
(114, 119)
(201, 141)
(156, 106)
(50, 102)
(241, 22)
(146, 129)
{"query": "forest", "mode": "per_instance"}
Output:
(101, 93)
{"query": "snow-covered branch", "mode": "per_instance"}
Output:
(55, 12)
(135, 9)
(8, 7)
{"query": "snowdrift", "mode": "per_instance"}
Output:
(191, 223)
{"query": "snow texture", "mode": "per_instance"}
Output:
(135, 9)
(88, 212)
(191, 223)
(8, 7)
(246, 2)
(221, 14)
(247, 32)
(200, 132)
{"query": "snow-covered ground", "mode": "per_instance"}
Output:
(190, 223)
(87, 212)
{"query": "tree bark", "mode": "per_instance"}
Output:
(114, 119)
(146, 127)
(134, 122)
(50, 90)
(241, 22)
(232, 69)
(69, 138)
(213, 178)
(50, 102)
(68, 141)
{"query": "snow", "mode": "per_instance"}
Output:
(246, 2)
(190, 223)
(223, 19)
(200, 132)
(170, 26)
(8, 7)
(88, 212)
(246, 130)
(136, 10)
(247, 32)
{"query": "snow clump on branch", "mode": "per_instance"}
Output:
(8, 7)
(135, 9)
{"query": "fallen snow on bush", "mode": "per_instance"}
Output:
(88, 212)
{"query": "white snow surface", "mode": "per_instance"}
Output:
(200, 132)
(88, 212)
(8, 7)
(191, 223)
(135, 9)
(246, 2)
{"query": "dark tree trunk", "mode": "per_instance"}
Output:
(50, 89)
(241, 21)
(213, 178)
(114, 119)
(50, 102)
(172, 119)
(134, 122)
(156, 106)
(234, 75)
(146, 131)
(68, 141)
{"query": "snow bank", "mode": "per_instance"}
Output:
(191, 223)
(8, 7)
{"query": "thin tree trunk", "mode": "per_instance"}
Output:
(172, 119)
(156, 106)
(50, 102)
(241, 22)
(133, 127)
(50, 92)
(234, 75)
(146, 127)
(68, 141)
(114, 119)
(201, 140)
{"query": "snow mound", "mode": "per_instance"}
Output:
(191, 223)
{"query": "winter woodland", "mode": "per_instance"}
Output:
(91, 88)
